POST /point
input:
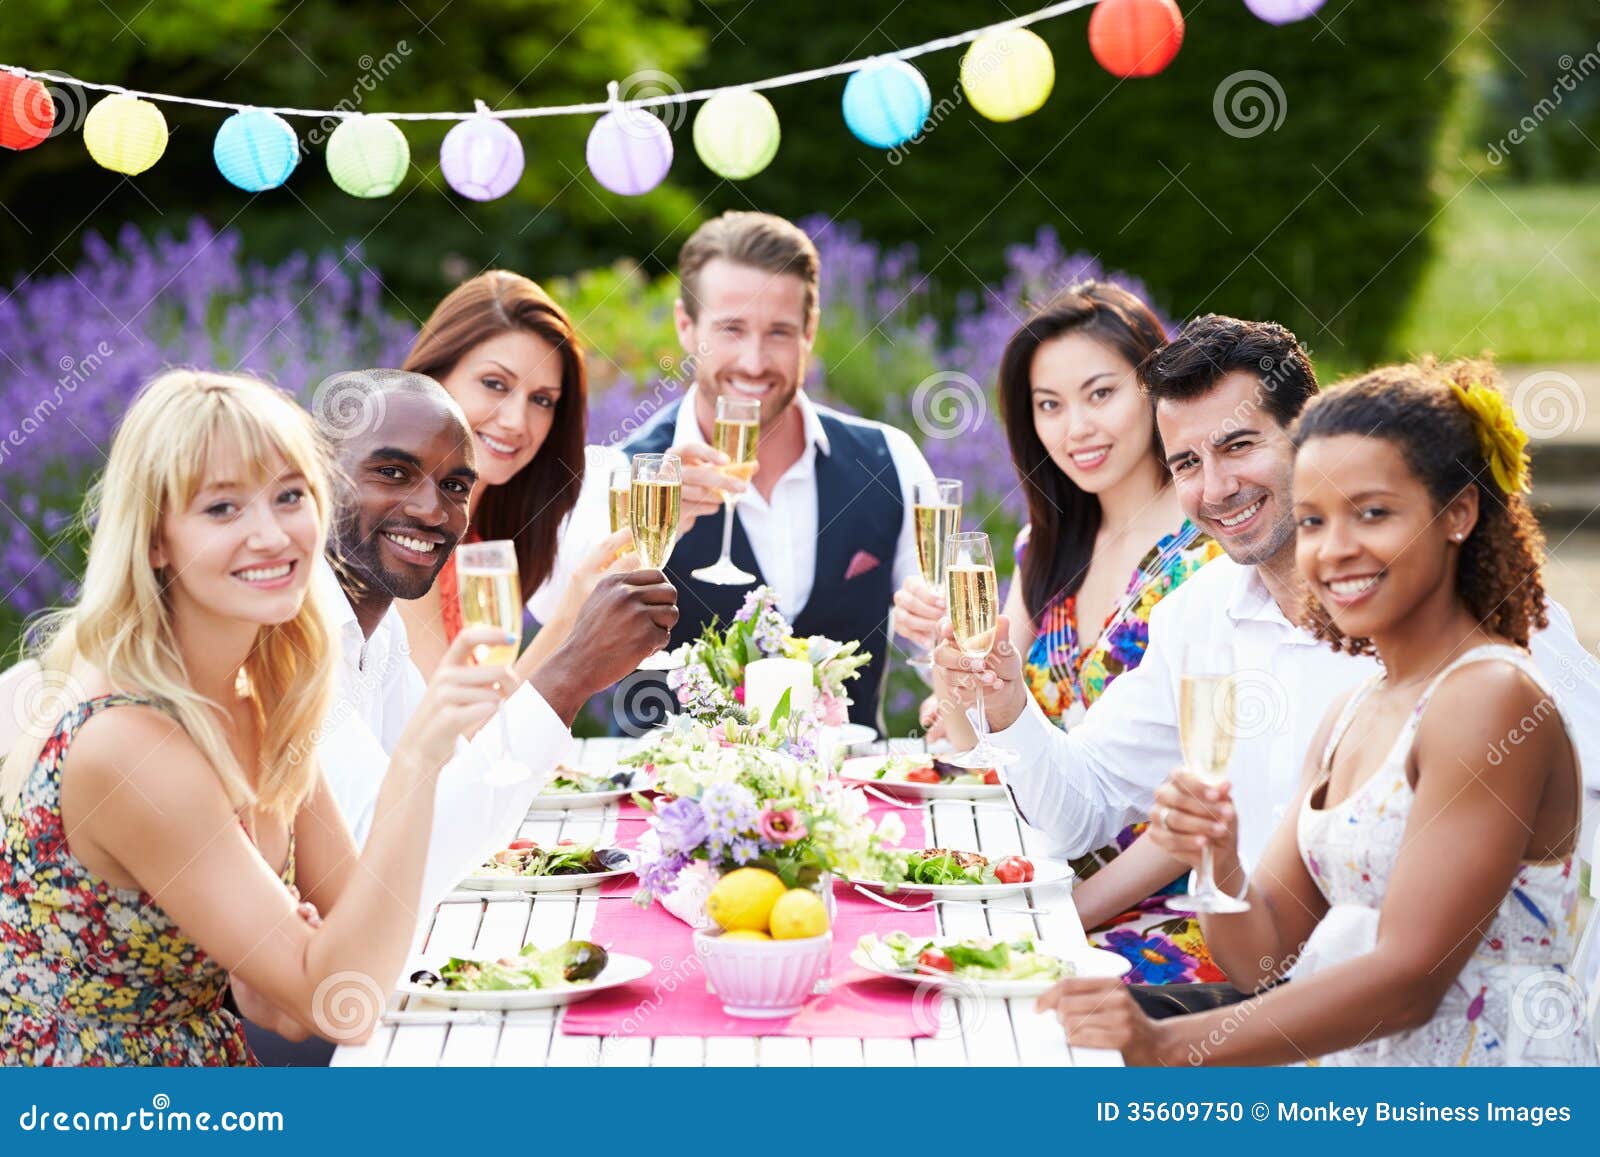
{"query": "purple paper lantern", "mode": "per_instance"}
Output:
(1283, 11)
(481, 157)
(629, 151)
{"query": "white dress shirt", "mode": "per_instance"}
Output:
(782, 531)
(379, 688)
(1081, 787)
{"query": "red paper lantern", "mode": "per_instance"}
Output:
(27, 114)
(1135, 37)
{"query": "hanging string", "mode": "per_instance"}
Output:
(590, 107)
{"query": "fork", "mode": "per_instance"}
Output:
(898, 907)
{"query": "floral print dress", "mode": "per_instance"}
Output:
(1066, 676)
(1515, 1002)
(92, 974)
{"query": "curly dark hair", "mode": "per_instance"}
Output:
(1210, 348)
(1415, 407)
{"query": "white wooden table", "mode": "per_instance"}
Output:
(971, 1031)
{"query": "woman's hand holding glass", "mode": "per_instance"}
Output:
(1190, 815)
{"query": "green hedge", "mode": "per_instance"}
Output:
(1138, 173)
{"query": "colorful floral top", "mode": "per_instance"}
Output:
(92, 974)
(1065, 678)
(1515, 1001)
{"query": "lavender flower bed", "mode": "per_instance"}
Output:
(78, 344)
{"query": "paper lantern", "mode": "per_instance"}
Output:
(629, 151)
(256, 150)
(27, 114)
(482, 157)
(368, 156)
(125, 134)
(886, 103)
(736, 133)
(1135, 37)
(1283, 11)
(1008, 74)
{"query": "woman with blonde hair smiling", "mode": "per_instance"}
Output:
(165, 798)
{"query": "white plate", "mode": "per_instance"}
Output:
(862, 768)
(576, 800)
(1046, 873)
(619, 970)
(549, 883)
(1088, 961)
(851, 734)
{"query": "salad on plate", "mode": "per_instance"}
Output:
(527, 859)
(980, 958)
(943, 866)
(576, 962)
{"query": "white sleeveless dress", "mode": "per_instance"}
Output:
(1515, 1002)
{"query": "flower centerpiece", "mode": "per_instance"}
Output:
(736, 796)
(710, 684)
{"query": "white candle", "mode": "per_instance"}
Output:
(765, 681)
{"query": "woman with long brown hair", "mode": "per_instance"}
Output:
(510, 357)
(1106, 540)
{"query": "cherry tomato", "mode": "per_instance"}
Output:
(992, 777)
(1014, 870)
(933, 958)
(521, 845)
(922, 775)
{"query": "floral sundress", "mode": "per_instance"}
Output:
(92, 974)
(1165, 947)
(1515, 1001)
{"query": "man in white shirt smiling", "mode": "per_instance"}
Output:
(827, 520)
(1225, 393)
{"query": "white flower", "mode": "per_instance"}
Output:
(891, 830)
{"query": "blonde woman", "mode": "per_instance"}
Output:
(164, 802)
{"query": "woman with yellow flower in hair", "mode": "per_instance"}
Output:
(1421, 887)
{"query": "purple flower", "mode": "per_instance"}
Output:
(660, 877)
(745, 849)
(771, 631)
(732, 814)
(681, 826)
(752, 603)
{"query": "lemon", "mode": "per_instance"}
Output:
(797, 915)
(745, 934)
(743, 899)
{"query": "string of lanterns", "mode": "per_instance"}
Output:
(1006, 73)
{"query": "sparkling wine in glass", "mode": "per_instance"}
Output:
(617, 497)
(935, 516)
(1207, 724)
(973, 594)
(491, 596)
(654, 501)
(737, 434)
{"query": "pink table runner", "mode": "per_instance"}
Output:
(673, 1001)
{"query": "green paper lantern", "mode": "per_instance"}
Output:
(125, 134)
(736, 134)
(368, 156)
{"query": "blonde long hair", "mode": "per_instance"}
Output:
(122, 623)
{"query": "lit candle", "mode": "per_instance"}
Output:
(765, 681)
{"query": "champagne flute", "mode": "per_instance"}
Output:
(737, 434)
(973, 593)
(1207, 725)
(617, 495)
(486, 574)
(935, 516)
(655, 499)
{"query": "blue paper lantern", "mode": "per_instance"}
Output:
(256, 150)
(886, 103)
(482, 157)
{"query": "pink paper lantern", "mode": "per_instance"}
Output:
(481, 157)
(629, 151)
(1283, 11)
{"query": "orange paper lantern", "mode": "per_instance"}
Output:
(1135, 37)
(27, 114)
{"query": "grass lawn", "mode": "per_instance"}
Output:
(1516, 270)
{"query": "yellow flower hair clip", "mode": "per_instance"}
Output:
(1503, 442)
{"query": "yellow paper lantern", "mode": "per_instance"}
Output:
(368, 156)
(1007, 74)
(125, 134)
(736, 133)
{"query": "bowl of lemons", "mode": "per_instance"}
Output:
(769, 944)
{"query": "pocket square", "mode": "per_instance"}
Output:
(860, 564)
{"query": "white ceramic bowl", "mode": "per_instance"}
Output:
(763, 979)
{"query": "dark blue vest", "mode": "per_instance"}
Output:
(859, 509)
